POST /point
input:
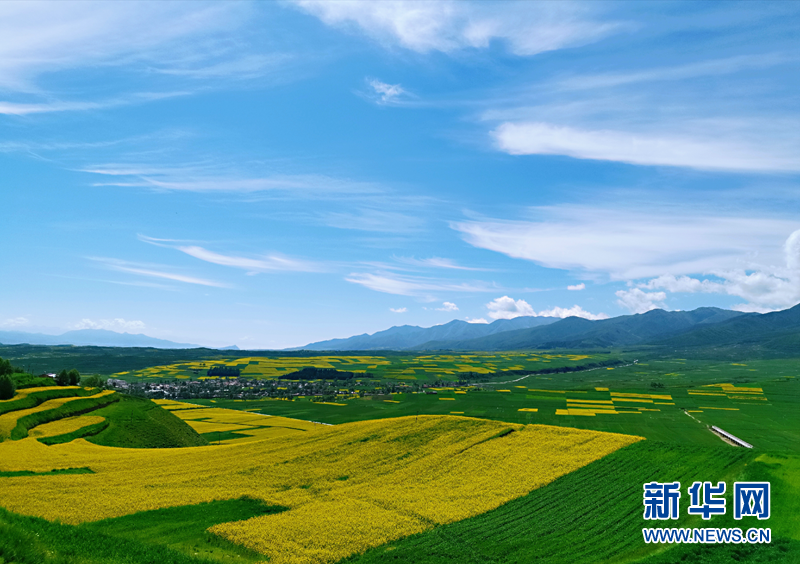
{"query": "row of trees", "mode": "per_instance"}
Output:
(71, 378)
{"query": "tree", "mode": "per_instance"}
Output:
(7, 387)
(74, 377)
(5, 367)
(92, 382)
(62, 379)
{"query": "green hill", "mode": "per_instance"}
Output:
(140, 423)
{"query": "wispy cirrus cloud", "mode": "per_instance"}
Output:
(23, 109)
(436, 262)
(273, 262)
(374, 219)
(695, 69)
(525, 28)
(154, 271)
(418, 286)
(41, 38)
(212, 178)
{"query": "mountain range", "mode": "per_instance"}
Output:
(90, 337)
(705, 326)
(411, 336)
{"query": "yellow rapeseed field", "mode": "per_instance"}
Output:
(9, 420)
(64, 426)
(347, 487)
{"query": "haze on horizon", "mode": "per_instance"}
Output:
(274, 174)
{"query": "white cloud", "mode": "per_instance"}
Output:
(14, 322)
(387, 93)
(577, 287)
(526, 28)
(447, 306)
(117, 324)
(476, 320)
(637, 301)
(508, 308)
(398, 310)
(154, 272)
(710, 152)
(765, 288)
(413, 285)
(574, 311)
(629, 243)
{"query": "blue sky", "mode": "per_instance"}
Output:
(271, 174)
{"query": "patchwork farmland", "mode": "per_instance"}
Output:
(505, 468)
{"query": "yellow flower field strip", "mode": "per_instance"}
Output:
(571, 400)
(706, 394)
(460, 392)
(508, 391)
(174, 405)
(456, 413)
(460, 467)
(244, 419)
(601, 389)
(693, 411)
(330, 403)
(447, 399)
(27, 391)
(747, 398)
(632, 400)
(64, 426)
(662, 403)
(643, 396)
(721, 408)
(391, 401)
(9, 420)
(533, 409)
